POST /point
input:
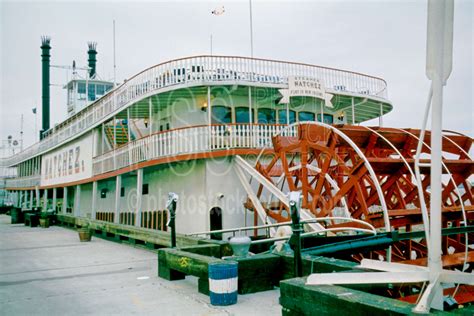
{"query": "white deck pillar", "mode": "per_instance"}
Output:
(94, 200)
(209, 109)
(77, 201)
(381, 114)
(20, 200)
(138, 217)
(118, 187)
(251, 117)
(45, 200)
(353, 111)
(54, 199)
(150, 117)
(64, 210)
(129, 137)
(31, 199)
(129, 132)
(115, 134)
(114, 145)
(37, 204)
(102, 138)
(322, 113)
(209, 117)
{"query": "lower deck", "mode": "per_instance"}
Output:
(210, 197)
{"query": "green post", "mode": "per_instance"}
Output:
(45, 59)
(92, 52)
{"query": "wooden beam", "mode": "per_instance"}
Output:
(448, 260)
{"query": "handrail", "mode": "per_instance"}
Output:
(23, 182)
(189, 140)
(305, 221)
(325, 230)
(197, 70)
(188, 127)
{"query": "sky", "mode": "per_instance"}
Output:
(386, 39)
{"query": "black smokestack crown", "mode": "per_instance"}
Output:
(45, 60)
(92, 52)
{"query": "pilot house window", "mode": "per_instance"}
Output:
(328, 118)
(221, 114)
(305, 116)
(266, 116)
(242, 115)
(282, 117)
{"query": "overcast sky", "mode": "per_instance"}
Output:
(380, 38)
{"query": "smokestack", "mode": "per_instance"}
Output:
(92, 60)
(45, 59)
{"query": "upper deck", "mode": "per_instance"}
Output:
(206, 71)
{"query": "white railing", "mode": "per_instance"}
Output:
(7, 172)
(23, 182)
(199, 70)
(191, 140)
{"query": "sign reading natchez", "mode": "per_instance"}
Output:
(299, 86)
(68, 163)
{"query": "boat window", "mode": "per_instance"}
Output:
(221, 114)
(100, 89)
(103, 193)
(242, 115)
(91, 92)
(81, 90)
(266, 116)
(216, 222)
(145, 189)
(81, 87)
(328, 118)
(282, 117)
(305, 116)
(164, 124)
(70, 94)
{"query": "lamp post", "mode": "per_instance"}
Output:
(36, 127)
(171, 205)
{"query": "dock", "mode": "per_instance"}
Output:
(49, 272)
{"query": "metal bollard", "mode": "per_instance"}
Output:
(171, 205)
(295, 198)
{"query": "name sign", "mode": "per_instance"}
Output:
(68, 163)
(299, 86)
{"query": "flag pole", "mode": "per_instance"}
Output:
(211, 44)
(21, 134)
(115, 65)
(251, 29)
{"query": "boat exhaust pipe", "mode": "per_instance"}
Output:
(45, 59)
(92, 52)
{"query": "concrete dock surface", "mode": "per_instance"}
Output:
(49, 272)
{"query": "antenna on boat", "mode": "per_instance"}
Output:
(251, 28)
(115, 65)
(211, 44)
(21, 133)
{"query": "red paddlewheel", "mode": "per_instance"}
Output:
(368, 174)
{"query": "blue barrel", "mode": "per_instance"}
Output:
(223, 283)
